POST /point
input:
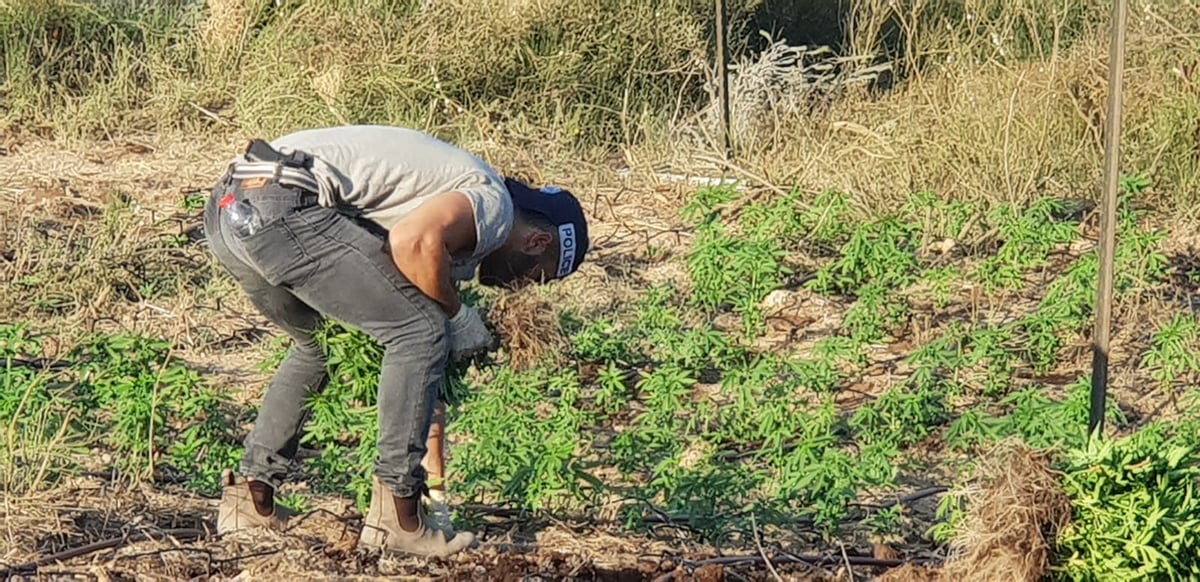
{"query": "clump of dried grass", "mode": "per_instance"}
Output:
(1013, 512)
(528, 327)
(782, 82)
(910, 573)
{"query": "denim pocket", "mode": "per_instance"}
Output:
(270, 205)
(279, 256)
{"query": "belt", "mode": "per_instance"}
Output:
(264, 161)
(286, 176)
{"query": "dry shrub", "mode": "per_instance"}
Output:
(1012, 513)
(528, 328)
(779, 83)
(981, 132)
(225, 27)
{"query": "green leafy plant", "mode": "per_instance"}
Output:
(296, 502)
(1172, 352)
(600, 340)
(939, 280)
(193, 201)
(972, 428)
(827, 220)
(1047, 423)
(125, 394)
(882, 252)
(1135, 508)
(939, 217)
(900, 418)
(992, 348)
(736, 272)
(875, 315)
(525, 434)
(949, 514)
(1028, 235)
(886, 521)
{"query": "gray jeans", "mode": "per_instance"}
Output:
(311, 262)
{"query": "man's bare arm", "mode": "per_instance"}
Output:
(423, 242)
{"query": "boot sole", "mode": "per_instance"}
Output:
(391, 550)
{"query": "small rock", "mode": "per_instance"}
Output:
(944, 247)
(885, 552)
(709, 573)
(790, 299)
(778, 299)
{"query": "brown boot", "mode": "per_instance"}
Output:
(382, 528)
(246, 504)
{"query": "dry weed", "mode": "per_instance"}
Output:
(782, 82)
(1011, 516)
(528, 328)
(910, 573)
(225, 28)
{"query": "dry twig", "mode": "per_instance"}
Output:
(186, 534)
(846, 560)
(761, 552)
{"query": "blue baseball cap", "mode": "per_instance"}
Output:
(562, 209)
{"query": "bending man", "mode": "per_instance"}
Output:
(373, 226)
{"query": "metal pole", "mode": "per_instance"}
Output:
(1104, 289)
(723, 79)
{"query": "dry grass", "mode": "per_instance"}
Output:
(973, 122)
(994, 132)
(1011, 516)
(995, 101)
(528, 326)
(319, 544)
(910, 573)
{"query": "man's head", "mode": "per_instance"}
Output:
(548, 241)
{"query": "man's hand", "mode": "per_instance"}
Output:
(468, 334)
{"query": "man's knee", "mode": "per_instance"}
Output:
(427, 335)
(308, 348)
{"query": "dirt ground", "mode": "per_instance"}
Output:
(91, 529)
(163, 533)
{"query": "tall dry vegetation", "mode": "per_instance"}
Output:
(1002, 100)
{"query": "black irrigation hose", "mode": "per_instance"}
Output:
(662, 517)
(41, 363)
(911, 497)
